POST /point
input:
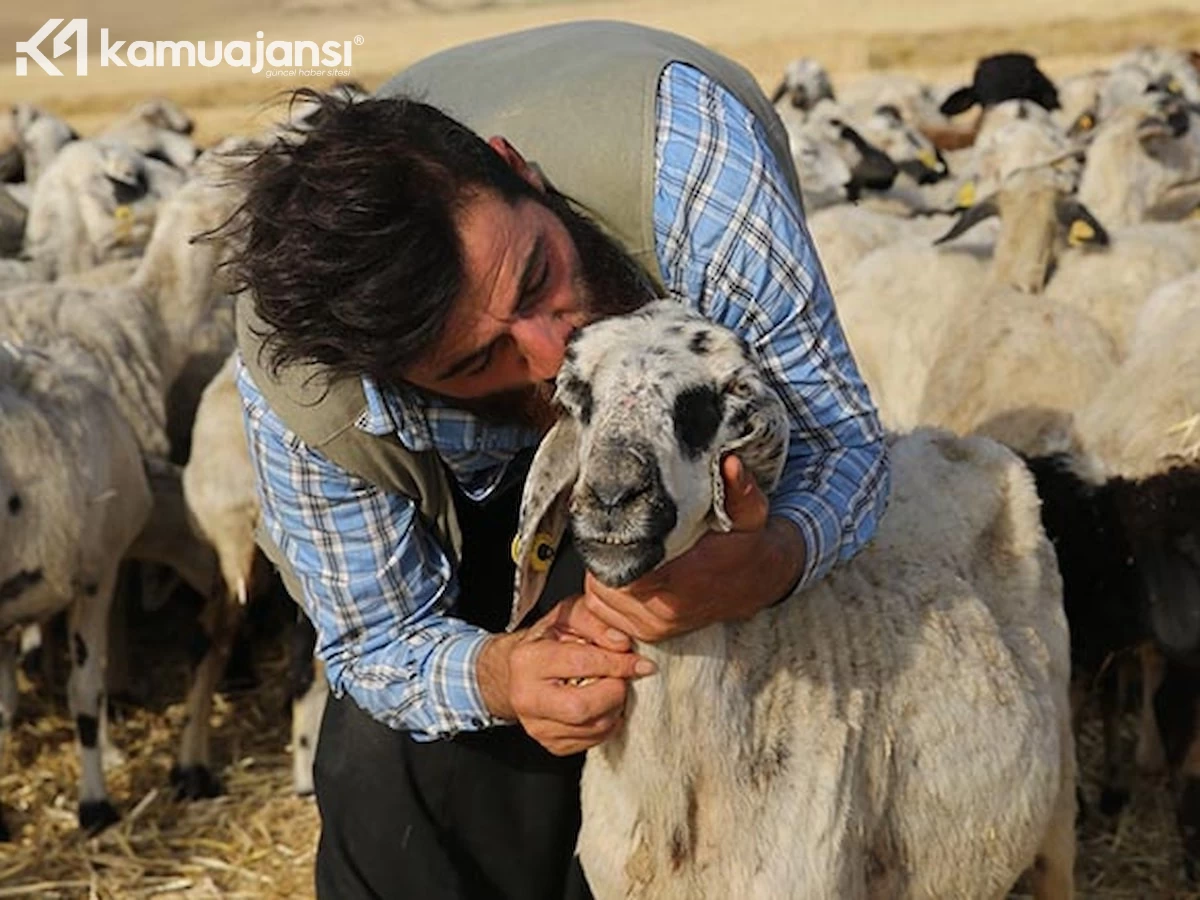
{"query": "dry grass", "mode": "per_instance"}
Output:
(258, 840)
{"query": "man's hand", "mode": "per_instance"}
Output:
(724, 577)
(528, 676)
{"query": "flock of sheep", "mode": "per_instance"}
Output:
(1014, 260)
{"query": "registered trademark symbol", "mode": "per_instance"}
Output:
(359, 39)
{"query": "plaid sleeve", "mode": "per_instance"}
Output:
(376, 584)
(732, 240)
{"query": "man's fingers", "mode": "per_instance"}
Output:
(745, 503)
(571, 660)
(639, 624)
(580, 620)
(579, 705)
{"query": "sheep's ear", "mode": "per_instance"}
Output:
(779, 91)
(959, 102)
(969, 218)
(762, 447)
(1082, 227)
(543, 516)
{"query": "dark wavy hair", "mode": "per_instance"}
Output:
(347, 238)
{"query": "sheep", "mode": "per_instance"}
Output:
(824, 177)
(912, 98)
(896, 304)
(219, 489)
(95, 202)
(1015, 367)
(913, 153)
(40, 141)
(25, 149)
(1141, 437)
(870, 167)
(1143, 162)
(805, 83)
(101, 361)
(1016, 136)
(1111, 286)
(845, 233)
(157, 128)
(820, 748)
(78, 499)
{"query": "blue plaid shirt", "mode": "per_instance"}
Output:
(730, 239)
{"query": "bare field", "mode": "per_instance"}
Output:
(258, 840)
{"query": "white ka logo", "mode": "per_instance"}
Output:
(27, 50)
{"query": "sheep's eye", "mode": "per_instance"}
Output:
(14, 504)
(740, 389)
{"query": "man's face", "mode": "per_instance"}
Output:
(524, 296)
(527, 290)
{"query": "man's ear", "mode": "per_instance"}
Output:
(517, 162)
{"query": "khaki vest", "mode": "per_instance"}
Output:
(576, 100)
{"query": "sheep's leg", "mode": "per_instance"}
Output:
(1053, 875)
(192, 775)
(8, 704)
(1150, 755)
(309, 691)
(1114, 792)
(85, 695)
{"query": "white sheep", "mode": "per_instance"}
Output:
(157, 128)
(805, 83)
(1015, 367)
(1143, 162)
(895, 305)
(84, 397)
(95, 202)
(824, 177)
(845, 233)
(1147, 418)
(1111, 286)
(78, 499)
(219, 488)
(900, 729)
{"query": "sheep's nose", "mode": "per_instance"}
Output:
(626, 475)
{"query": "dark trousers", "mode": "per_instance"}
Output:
(481, 816)
(490, 815)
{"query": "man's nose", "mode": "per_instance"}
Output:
(542, 340)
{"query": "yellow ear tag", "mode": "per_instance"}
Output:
(929, 160)
(966, 195)
(542, 554)
(1080, 233)
(123, 217)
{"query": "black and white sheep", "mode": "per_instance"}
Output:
(820, 748)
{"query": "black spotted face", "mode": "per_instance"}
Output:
(659, 396)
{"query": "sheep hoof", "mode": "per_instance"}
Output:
(1113, 800)
(195, 783)
(96, 815)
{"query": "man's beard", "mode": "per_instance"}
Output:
(609, 283)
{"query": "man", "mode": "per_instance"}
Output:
(414, 289)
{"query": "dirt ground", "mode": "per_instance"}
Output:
(259, 840)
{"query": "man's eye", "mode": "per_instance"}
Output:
(484, 361)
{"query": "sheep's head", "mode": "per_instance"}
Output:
(652, 402)
(1038, 218)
